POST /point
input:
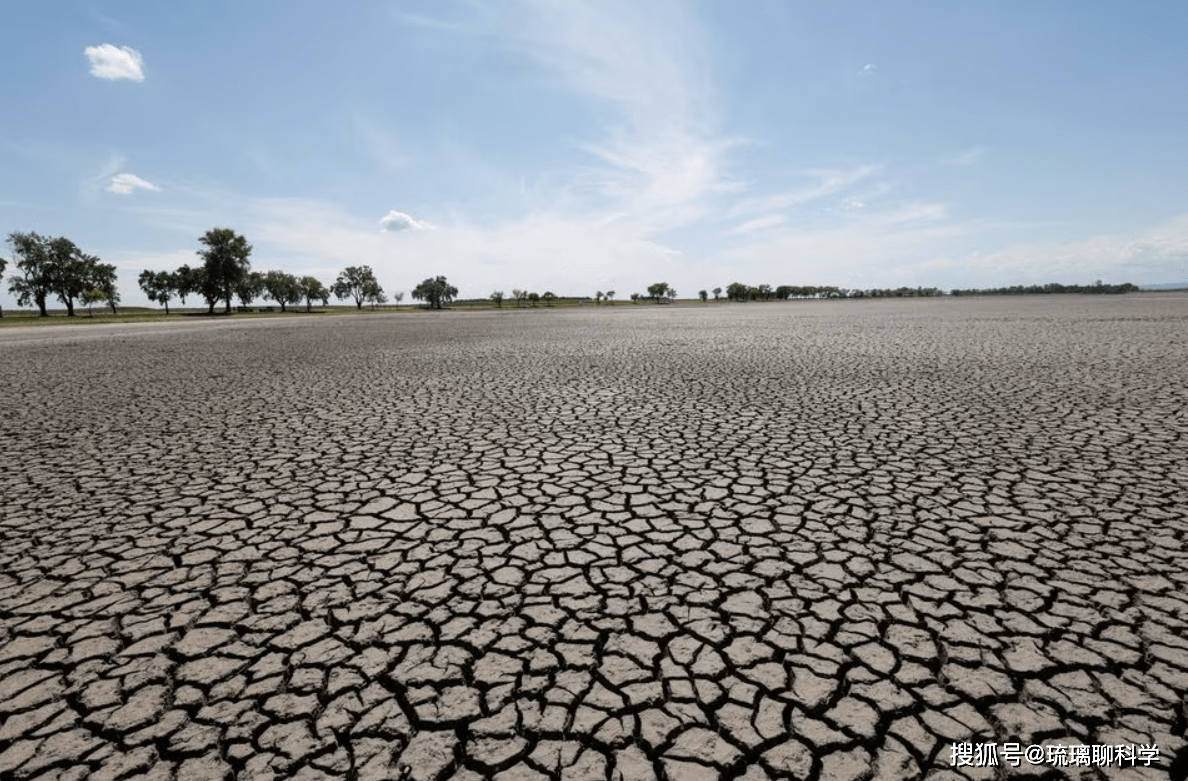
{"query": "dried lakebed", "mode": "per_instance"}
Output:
(803, 540)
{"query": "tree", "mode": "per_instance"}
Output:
(520, 296)
(658, 291)
(225, 261)
(737, 291)
(398, 296)
(159, 286)
(31, 256)
(703, 295)
(250, 287)
(435, 291)
(357, 282)
(549, 297)
(104, 279)
(533, 298)
(635, 298)
(497, 297)
(191, 281)
(374, 295)
(717, 293)
(91, 297)
(283, 288)
(598, 298)
(312, 289)
(56, 266)
(609, 297)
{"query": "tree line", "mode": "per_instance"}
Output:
(57, 267)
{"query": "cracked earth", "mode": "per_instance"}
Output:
(808, 540)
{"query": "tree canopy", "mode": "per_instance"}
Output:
(359, 283)
(283, 288)
(57, 266)
(225, 262)
(435, 291)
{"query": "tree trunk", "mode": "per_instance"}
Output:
(69, 307)
(41, 306)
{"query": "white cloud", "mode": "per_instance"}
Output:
(869, 67)
(127, 183)
(115, 62)
(399, 221)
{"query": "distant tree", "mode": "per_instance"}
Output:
(717, 293)
(533, 298)
(635, 298)
(549, 297)
(598, 298)
(225, 261)
(609, 297)
(497, 297)
(283, 288)
(159, 286)
(312, 289)
(784, 292)
(374, 295)
(105, 281)
(703, 295)
(519, 295)
(658, 291)
(356, 282)
(672, 294)
(435, 291)
(31, 256)
(191, 281)
(737, 291)
(398, 296)
(250, 287)
(765, 292)
(91, 297)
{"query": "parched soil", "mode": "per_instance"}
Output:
(786, 540)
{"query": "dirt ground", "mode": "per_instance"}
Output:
(833, 540)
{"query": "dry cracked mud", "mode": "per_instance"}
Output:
(803, 540)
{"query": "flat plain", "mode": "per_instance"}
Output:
(786, 540)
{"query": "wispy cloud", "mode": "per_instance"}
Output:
(868, 68)
(399, 221)
(759, 223)
(126, 183)
(115, 62)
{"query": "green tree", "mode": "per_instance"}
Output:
(533, 298)
(548, 297)
(159, 286)
(717, 293)
(191, 281)
(357, 282)
(311, 290)
(609, 297)
(497, 297)
(91, 297)
(703, 295)
(737, 291)
(598, 298)
(104, 279)
(226, 262)
(435, 291)
(31, 256)
(374, 295)
(398, 296)
(658, 291)
(55, 266)
(250, 287)
(283, 288)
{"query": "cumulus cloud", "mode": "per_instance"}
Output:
(399, 221)
(869, 67)
(125, 184)
(115, 62)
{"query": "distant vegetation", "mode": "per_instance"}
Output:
(57, 267)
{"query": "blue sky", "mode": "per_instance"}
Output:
(575, 147)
